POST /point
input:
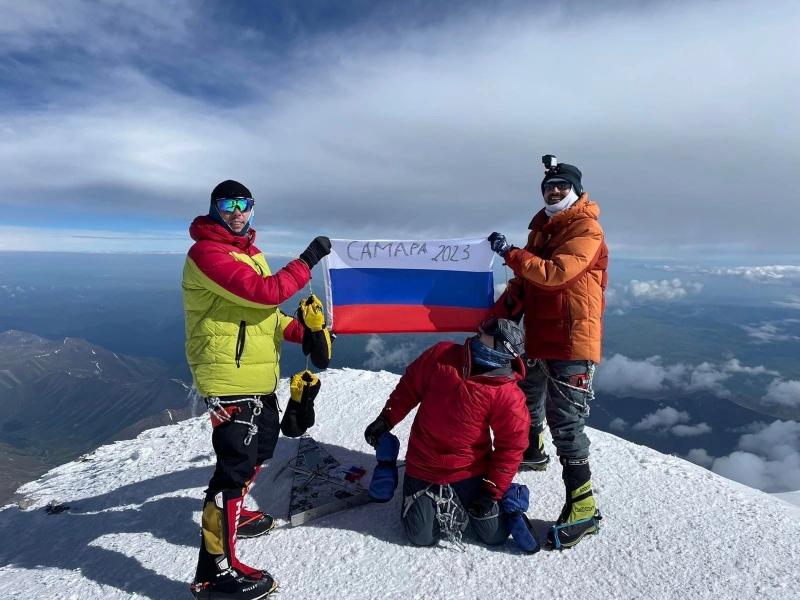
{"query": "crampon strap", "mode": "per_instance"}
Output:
(556, 528)
(450, 517)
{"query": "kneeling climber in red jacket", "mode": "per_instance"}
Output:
(452, 463)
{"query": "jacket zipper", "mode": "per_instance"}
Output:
(240, 339)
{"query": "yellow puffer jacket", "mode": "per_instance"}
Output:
(234, 327)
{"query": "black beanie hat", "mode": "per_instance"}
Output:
(230, 189)
(566, 172)
(227, 189)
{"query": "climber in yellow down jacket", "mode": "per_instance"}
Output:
(234, 330)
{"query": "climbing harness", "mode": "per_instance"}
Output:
(581, 383)
(223, 411)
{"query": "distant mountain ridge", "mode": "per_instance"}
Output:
(61, 398)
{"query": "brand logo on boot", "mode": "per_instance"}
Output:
(237, 514)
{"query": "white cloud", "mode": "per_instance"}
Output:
(783, 392)
(26, 23)
(790, 302)
(669, 419)
(381, 357)
(620, 375)
(662, 419)
(619, 298)
(700, 456)
(774, 274)
(618, 424)
(768, 460)
(764, 274)
(614, 297)
(708, 377)
(663, 290)
(770, 332)
(691, 430)
(434, 124)
(735, 366)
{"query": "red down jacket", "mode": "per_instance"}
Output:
(450, 438)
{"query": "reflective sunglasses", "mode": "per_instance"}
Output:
(561, 186)
(229, 205)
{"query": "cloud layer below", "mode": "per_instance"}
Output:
(768, 459)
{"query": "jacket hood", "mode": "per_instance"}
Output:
(584, 208)
(517, 367)
(205, 228)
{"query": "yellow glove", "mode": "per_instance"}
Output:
(311, 313)
(303, 385)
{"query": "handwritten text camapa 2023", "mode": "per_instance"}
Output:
(365, 251)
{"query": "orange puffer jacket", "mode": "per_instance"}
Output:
(559, 283)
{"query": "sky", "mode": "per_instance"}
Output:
(399, 120)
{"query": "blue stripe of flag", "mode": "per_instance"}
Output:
(412, 286)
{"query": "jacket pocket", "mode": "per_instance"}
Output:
(240, 341)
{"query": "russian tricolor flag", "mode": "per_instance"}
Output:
(402, 286)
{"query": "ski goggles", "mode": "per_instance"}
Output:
(229, 205)
(561, 186)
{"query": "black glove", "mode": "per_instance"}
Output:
(316, 251)
(499, 243)
(317, 340)
(482, 505)
(375, 430)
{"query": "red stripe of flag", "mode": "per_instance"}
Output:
(401, 318)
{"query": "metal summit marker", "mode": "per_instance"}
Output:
(321, 485)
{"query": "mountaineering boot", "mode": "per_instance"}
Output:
(580, 516)
(252, 523)
(220, 575)
(534, 458)
(231, 586)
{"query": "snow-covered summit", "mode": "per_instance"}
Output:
(671, 529)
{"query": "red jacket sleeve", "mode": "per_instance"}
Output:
(409, 389)
(510, 422)
(241, 283)
(293, 332)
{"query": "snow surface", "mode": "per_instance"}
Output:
(671, 529)
(790, 497)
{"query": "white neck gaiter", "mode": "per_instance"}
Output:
(554, 209)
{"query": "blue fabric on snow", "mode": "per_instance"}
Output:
(384, 477)
(514, 504)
